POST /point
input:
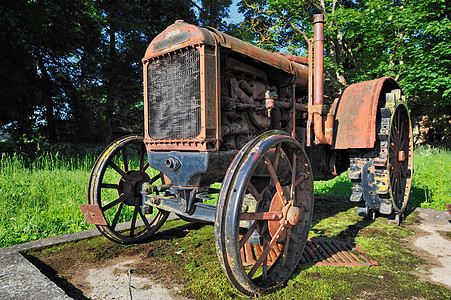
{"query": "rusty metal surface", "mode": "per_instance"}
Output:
(196, 36)
(220, 128)
(318, 76)
(299, 59)
(280, 62)
(319, 251)
(93, 214)
(323, 132)
(356, 112)
(209, 110)
(325, 251)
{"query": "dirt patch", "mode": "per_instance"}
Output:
(100, 269)
(117, 280)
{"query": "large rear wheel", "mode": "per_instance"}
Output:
(382, 177)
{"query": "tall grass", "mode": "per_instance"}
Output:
(39, 197)
(431, 184)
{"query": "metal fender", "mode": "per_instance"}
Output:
(356, 113)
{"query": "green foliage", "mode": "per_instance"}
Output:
(364, 40)
(41, 199)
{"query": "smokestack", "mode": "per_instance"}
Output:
(318, 94)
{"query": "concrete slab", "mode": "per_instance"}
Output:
(20, 279)
(438, 249)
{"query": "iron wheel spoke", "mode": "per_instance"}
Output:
(143, 217)
(403, 142)
(269, 216)
(122, 197)
(285, 248)
(293, 177)
(398, 121)
(109, 186)
(145, 167)
(265, 252)
(155, 178)
(119, 170)
(265, 264)
(277, 156)
(142, 158)
(302, 177)
(125, 159)
(117, 215)
(402, 171)
(251, 188)
(248, 234)
(133, 224)
(275, 180)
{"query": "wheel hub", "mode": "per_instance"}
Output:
(401, 155)
(132, 186)
(291, 214)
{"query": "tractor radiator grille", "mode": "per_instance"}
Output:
(174, 96)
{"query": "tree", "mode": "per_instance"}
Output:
(77, 63)
(213, 12)
(408, 40)
(39, 40)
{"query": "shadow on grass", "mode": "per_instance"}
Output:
(418, 196)
(176, 232)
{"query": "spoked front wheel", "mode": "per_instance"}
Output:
(115, 187)
(264, 213)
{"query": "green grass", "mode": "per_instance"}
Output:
(339, 186)
(431, 184)
(39, 197)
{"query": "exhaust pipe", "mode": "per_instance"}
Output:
(318, 95)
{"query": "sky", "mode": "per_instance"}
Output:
(234, 15)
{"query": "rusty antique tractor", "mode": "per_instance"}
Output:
(235, 135)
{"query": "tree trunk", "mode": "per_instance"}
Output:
(109, 109)
(49, 105)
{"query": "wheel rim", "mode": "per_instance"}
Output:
(276, 217)
(115, 186)
(400, 158)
